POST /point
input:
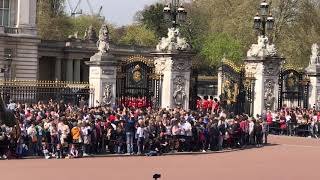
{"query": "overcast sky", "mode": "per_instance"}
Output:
(118, 12)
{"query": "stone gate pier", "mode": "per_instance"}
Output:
(173, 63)
(313, 72)
(264, 65)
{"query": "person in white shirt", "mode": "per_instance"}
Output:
(251, 130)
(187, 132)
(140, 136)
(32, 133)
(86, 132)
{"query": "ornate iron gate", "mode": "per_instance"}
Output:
(293, 89)
(137, 83)
(34, 91)
(193, 88)
(236, 94)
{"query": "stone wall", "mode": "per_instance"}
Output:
(24, 55)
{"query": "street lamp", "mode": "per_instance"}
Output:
(175, 13)
(264, 21)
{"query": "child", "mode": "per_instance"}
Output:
(59, 151)
(74, 151)
(45, 151)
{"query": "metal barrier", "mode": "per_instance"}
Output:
(34, 91)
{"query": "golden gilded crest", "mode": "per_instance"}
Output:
(137, 76)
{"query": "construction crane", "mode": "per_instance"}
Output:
(75, 11)
(98, 14)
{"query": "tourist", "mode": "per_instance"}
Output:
(74, 153)
(140, 136)
(71, 131)
(130, 129)
(86, 133)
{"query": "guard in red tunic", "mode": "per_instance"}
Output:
(130, 103)
(198, 104)
(210, 103)
(134, 102)
(205, 104)
(140, 102)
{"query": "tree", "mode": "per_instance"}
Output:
(217, 46)
(52, 22)
(152, 17)
(81, 23)
(138, 35)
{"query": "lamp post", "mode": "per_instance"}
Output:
(175, 13)
(264, 21)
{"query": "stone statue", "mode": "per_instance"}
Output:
(107, 98)
(173, 42)
(179, 91)
(75, 35)
(269, 95)
(103, 42)
(179, 95)
(315, 54)
(92, 35)
(262, 49)
(85, 36)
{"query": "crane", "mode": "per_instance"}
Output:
(98, 14)
(75, 11)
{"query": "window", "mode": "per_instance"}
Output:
(4, 12)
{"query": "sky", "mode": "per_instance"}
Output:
(118, 12)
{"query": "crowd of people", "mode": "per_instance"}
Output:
(59, 130)
(294, 122)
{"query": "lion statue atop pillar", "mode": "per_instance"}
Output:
(103, 42)
(262, 49)
(173, 42)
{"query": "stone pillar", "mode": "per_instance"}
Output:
(219, 81)
(76, 70)
(176, 70)
(57, 69)
(69, 70)
(23, 13)
(26, 16)
(265, 71)
(313, 72)
(102, 78)
(264, 65)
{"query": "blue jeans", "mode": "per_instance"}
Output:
(129, 138)
(140, 145)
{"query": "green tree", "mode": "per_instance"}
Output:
(217, 46)
(138, 35)
(52, 22)
(81, 23)
(152, 17)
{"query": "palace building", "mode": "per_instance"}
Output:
(18, 40)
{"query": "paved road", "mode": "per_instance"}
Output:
(287, 158)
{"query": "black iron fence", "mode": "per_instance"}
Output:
(35, 91)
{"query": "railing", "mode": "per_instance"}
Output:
(34, 91)
(12, 30)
